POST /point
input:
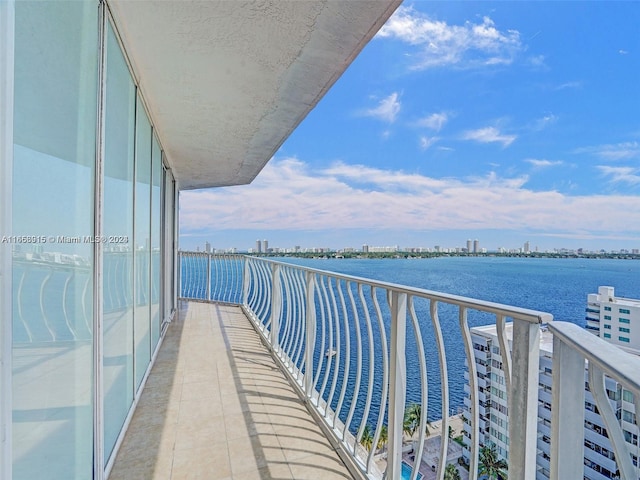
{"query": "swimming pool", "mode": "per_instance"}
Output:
(407, 470)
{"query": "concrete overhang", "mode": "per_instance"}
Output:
(226, 82)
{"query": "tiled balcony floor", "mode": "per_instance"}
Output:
(217, 407)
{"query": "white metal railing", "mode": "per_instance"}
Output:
(345, 342)
(571, 347)
(53, 294)
(46, 301)
(208, 277)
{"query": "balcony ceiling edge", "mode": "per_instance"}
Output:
(227, 82)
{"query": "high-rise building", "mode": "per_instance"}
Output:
(365, 248)
(469, 245)
(599, 460)
(207, 247)
(476, 246)
(258, 246)
(527, 248)
(265, 246)
(615, 319)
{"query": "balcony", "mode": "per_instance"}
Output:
(216, 406)
(343, 342)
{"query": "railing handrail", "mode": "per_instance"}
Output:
(612, 359)
(533, 316)
(573, 348)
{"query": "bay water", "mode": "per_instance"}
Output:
(554, 285)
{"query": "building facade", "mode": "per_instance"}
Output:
(615, 319)
(599, 460)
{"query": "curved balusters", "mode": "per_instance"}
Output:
(347, 363)
(473, 387)
(338, 350)
(64, 306)
(301, 314)
(424, 392)
(385, 376)
(356, 387)
(332, 333)
(42, 297)
(614, 431)
(442, 361)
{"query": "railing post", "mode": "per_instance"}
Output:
(310, 332)
(276, 306)
(567, 412)
(523, 400)
(208, 257)
(397, 383)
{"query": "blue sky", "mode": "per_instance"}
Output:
(506, 122)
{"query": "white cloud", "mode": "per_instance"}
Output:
(387, 109)
(622, 52)
(543, 122)
(537, 163)
(573, 84)
(426, 142)
(288, 195)
(440, 44)
(489, 135)
(537, 62)
(618, 151)
(435, 121)
(627, 175)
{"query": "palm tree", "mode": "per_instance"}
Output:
(367, 437)
(451, 473)
(491, 465)
(384, 437)
(412, 415)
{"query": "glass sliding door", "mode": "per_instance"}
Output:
(142, 239)
(117, 295)
(56, 65)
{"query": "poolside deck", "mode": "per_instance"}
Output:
(216, 407)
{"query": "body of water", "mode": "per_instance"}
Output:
(556, 286)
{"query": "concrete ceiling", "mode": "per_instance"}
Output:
(226, 82)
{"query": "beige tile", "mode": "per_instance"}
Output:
(216, 407)
(273, 471)
(194, 436)
(296, 446)
(319, 467)
(204, 463)
(247, 425)
(205, 390)
(247, 453)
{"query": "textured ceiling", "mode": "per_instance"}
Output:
(226, 82)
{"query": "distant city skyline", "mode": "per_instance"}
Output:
(470, 246)
(503, 121)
